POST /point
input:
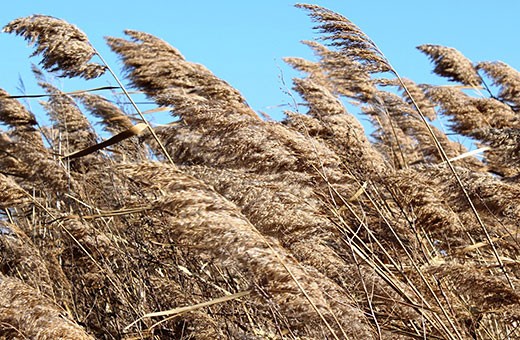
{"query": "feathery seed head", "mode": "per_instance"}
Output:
(64, 47)
(451, 64)
(347, 37)
(507, 78)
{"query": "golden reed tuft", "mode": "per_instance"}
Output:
(63, 46)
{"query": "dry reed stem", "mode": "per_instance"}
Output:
(212, 226)
(114, 121)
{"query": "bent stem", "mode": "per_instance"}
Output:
(150, 128)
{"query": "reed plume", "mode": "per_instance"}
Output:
(19, 118)
(12, 193)
(507, 78)
(69, 120)
(341, 73)
(418, 94)
(63, 46)
(347, 37)
(451, 64)
(230, 239)
(24, 153)
(24, 313)
(504, 153)
(471, 116)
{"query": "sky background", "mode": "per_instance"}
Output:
(243, 42)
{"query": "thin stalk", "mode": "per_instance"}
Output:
(150, 128)
(458, 179)
(369, 299)
(102, 88)
(83, 249)
(413, 263)
(379, 267)
(445, 157)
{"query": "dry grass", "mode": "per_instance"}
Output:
(223, 225)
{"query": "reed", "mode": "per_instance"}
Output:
(223, 225)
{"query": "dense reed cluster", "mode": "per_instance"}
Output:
(305, 228)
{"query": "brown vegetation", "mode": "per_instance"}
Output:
(301, 229)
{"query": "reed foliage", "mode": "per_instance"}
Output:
(225, 225)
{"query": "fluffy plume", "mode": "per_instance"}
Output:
(24, 313)
(335, 127)
(451, 64)
(74, 127)
(11, 192)
(412, 141)
(24, 155)
(155, 66)
(482, 292)
(112, 117)
(13, 113)
(507, 78)
(214, 114)
(18, 117)
(345, 35)
(64, 47)
(203, 220)
(337, 71)
(471, 116)
(504, 156)
(486, 119)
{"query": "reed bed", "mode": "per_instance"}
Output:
(224, 225)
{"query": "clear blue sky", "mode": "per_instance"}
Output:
(244, 42)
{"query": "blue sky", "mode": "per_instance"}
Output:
(244, 42)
